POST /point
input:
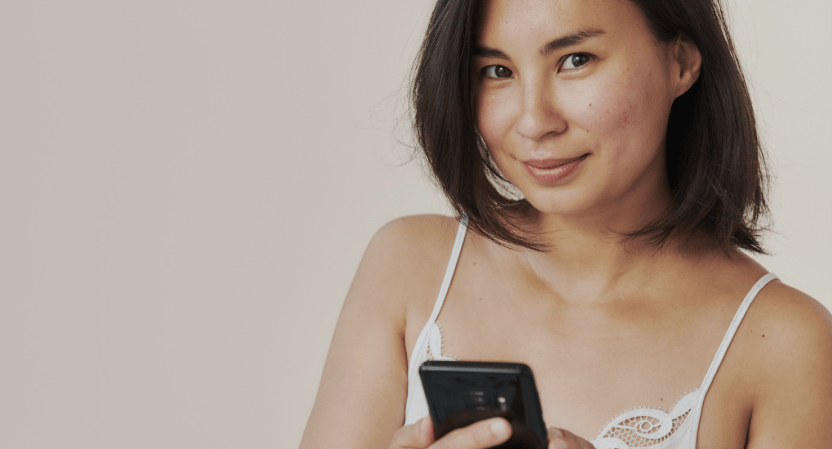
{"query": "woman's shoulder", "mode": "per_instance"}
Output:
(793, 320)
(783, 323)
(416, 235)
(405, 261)
(784, 331)
(413, 245)
(791, 326)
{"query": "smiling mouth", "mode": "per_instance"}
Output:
(554, 171)
(548, 164)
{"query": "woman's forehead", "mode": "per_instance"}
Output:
(549, 19)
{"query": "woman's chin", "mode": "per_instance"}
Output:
(570, 206)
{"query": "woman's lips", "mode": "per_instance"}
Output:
(550, 171)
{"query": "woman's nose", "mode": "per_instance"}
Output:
(539, 113)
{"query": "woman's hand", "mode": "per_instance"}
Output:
(563, 439)
(480, 435)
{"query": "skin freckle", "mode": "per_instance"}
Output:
(627, 116)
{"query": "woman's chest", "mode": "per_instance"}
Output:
(591, 371)
(624, 398)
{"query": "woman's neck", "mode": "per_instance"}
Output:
(590, 255)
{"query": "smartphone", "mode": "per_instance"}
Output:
(461, 393)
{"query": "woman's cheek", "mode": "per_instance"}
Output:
(494, 117)
(601, 107)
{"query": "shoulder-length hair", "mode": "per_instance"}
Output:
(715, 163)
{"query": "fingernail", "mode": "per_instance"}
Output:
(560, 443)
(499, 427)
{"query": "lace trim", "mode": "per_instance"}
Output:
(437, 340)
(646, 426)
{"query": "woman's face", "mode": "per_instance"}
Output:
(572, 98)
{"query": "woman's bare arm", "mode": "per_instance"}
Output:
(793, 408)
(361, 397)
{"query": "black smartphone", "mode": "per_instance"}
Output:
(461, 393)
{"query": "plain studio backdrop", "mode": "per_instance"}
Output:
(187, 188)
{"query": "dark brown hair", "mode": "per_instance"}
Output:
(715, 162)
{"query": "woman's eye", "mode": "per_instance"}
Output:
(496, 71)
(576, 60)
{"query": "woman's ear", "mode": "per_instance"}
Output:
(687, 63)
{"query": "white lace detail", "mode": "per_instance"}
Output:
(645, 426)
(436, 344)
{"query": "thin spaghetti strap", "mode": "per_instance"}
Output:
(449, 271)
(416, 406)
(421, 341)
(696, 413)
(732, 329)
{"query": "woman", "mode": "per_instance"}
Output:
(605, 156)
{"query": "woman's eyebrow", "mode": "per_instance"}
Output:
(557, 44)
(570, 40)
(480, 51)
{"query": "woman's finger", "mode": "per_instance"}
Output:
(563, 439)
(418, 435)
(480, 435)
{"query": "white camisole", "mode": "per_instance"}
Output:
(637, 427)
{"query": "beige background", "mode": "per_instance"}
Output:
(187, 188)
